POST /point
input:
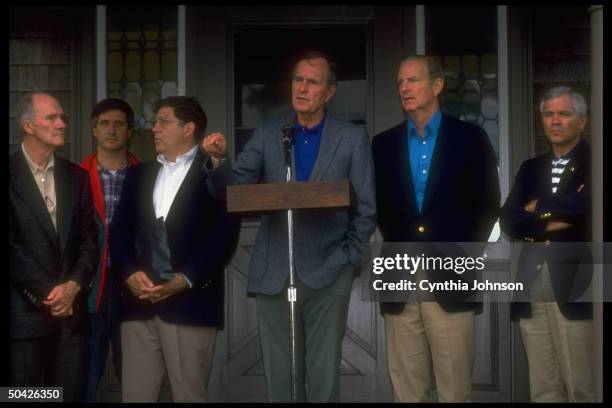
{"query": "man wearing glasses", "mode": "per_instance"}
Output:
(53, 240)
(170, 241)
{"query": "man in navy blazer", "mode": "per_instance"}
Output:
(170, 325)
(550, 203)
(436, 181)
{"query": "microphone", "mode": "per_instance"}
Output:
(288, 139)
(288, 133)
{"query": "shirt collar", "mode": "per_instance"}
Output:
(317, 128)
(119, 171)
(181, 160)
(431, 127)
(569, 154)
(35, 167)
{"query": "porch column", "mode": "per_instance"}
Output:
(597, 179)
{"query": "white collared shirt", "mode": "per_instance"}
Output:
(169, 180)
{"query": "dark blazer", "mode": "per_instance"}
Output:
(569, 266)
(40, 257)
(201, 235)
(462, 196)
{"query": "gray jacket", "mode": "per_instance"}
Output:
(324, 243)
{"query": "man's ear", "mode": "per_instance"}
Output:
(330, 92)
(28, 127)
(438, 85)
(189, 129)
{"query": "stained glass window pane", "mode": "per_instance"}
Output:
(150, 96)
(133, 65)
(465, 41)
(140, 68)
(114, 72)
(169, 69)
(151, 65)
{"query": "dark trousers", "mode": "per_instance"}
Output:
(105, 328)
(52, 361)
(320, 323)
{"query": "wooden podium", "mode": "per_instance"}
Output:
(257, 199)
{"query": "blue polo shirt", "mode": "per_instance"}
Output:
(421, 149)
(307, 142)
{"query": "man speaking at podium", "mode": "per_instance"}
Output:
(327, 245)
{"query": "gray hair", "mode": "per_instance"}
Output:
(434, 69)
(578, 103)
(331, 65)
(25, 109)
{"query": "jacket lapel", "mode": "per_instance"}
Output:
(329, 143)
(64, 191)
(567, 175)
(402, 152)
(440, 157)
(24, 184)
(185, 191)
(572, 168)
(148, 187)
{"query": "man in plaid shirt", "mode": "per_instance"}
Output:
(112, 122)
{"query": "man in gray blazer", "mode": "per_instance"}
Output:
(327, 245)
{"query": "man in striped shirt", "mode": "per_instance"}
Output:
(550, 202)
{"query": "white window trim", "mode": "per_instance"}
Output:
(420, 30)
(182, 50)
(100, 52)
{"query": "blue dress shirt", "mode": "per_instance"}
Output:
(307, 142)
(421, 149)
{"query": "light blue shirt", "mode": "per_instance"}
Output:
(420, 149)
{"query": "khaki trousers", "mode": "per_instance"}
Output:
(153, 348)
(422, 336)
(559, 354)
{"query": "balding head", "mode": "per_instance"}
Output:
(27, 105)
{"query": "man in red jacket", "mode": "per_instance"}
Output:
(112, 122)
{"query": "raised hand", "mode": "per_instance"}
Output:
(215, 145)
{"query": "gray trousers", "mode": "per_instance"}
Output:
(320, 323)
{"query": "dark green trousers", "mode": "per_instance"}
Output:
(320, 323)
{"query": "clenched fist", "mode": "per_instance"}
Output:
(215, 145)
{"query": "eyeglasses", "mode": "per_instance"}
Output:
(163, 122)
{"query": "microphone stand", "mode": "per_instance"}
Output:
(291, 289)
